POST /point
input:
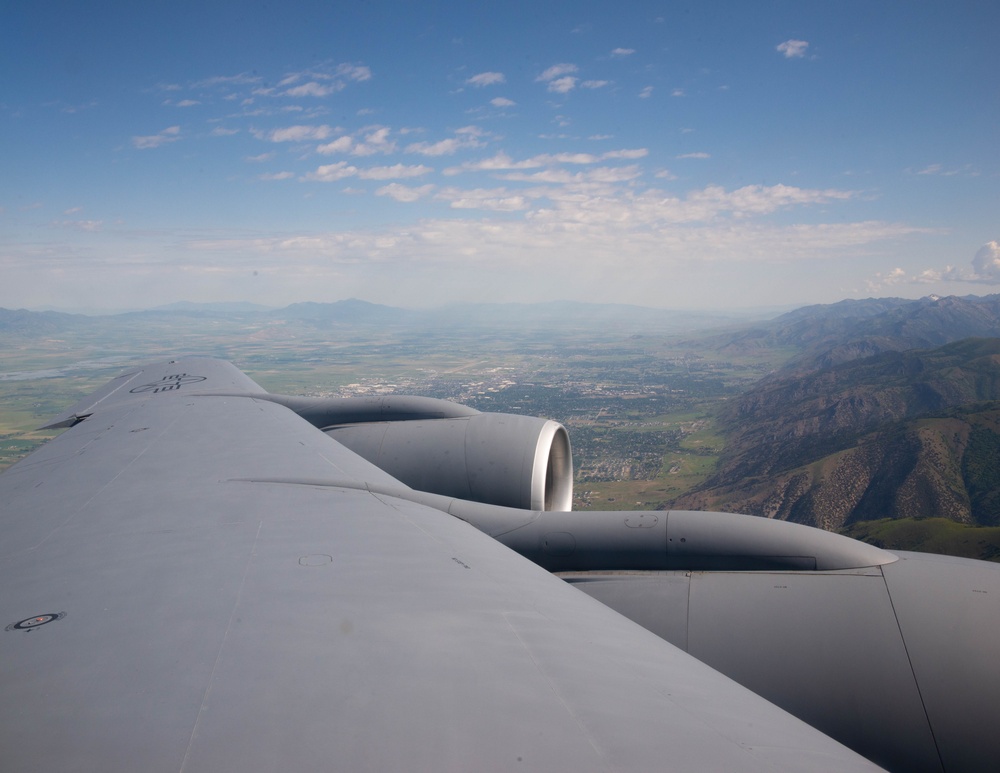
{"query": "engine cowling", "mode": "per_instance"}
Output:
(493, 458)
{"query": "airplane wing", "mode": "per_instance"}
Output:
(196, 579)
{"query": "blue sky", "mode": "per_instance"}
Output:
(679, 155)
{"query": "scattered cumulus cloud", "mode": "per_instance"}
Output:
(342, 170)
(694, 155)
(396, 171)
(221, 131)
(260, 159)
(554, 176)
(87, 226)
(332, 172)
(240, 79)
(501, 162)
(793, 49)
(372, 140)
(594, 84)
(467, 137)
(339, 145)
(556, 71)
(622, 51)
(492, 200)
(298, 133)
(170, 134)
(502, 102)
(559, 78)
(486, 79)
(404, 193)
(984, 269)
(939, 169)
(563, 85)
(986, 262)
(677, 93)
(277, 176)
(313, 89)
(319, 81)
(646, 92)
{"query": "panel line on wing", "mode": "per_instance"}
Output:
(555, 691)
(909, 662)
(96, 493)
(222, 646)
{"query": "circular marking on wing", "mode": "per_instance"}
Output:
(319, 559)
(168, 383)
(30, 623)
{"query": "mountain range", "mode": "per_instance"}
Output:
(885, 409)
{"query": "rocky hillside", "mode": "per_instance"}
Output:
(895, 435)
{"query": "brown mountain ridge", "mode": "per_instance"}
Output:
(911, 434)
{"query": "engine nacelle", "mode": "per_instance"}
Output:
(493, 458)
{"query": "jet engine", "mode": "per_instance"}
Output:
(492, 458)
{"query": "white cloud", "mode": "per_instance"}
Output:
(440, 148)
(677, 93)
(556, 71)
(626, 153)
(87, 226)
(563, 85)
(319, 81)
(985, 269)
(375, 141)
(260, 159)
(332, 172)
(312, 89)
(354, 72)
(221, 131)
(502, 162)
(646, 92)
(466, 137)
(339, 145)
(277, 176)
(188, 103)
(395, 171)
(601, 174)
(502, 102)
(559, 78)
(298, 133)
(578, 237)
(594, 84)
(342, 170)
(694, 155)
(793, 49)
(939, 169)
(493, 200)
(486, 79)
(622, 52)
(986, 263)
(404, 193)
(170, 134)
(242, 79)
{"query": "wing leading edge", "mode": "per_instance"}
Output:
(195, 613)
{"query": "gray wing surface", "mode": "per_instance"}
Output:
(175, 601)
